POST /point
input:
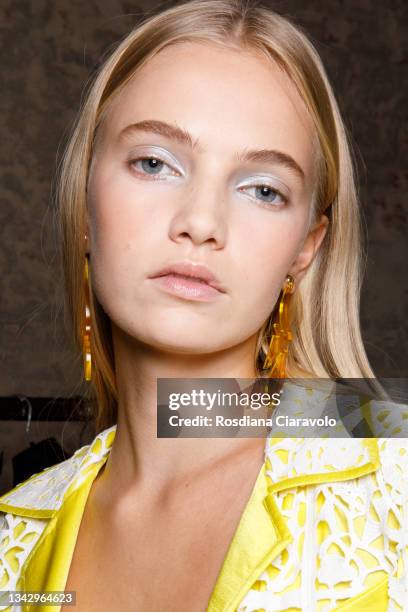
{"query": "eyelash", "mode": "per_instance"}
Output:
(261, 202)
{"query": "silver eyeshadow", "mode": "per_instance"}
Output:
(162, 154)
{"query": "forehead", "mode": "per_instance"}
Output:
(224, 97)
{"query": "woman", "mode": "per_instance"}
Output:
(210, 145)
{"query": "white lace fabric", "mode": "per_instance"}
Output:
(344, 502)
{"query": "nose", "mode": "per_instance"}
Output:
(201, 215)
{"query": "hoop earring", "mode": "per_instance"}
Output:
(86, 347)
(282, 336)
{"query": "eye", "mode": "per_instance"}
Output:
(267, 195)
(152, 166)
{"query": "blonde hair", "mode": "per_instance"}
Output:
(324, 310)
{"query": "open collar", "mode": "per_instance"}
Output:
(60, 493)
(289, 461)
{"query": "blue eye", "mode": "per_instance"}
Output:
(152, 166)
(273, 197)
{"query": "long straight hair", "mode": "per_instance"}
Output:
(324, 311)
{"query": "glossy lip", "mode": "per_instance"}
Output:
(187, 288)
(194, 271)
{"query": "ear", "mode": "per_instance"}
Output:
(309, 249)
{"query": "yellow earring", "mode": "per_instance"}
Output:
(282, 336)
(87, 333)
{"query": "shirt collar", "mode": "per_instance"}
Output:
(42, 495)
(262, 533)
(60, 492)
(289, 462)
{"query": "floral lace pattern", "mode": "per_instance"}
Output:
(46, 490)
(347, 536)
(42, 491)
(344, 502)
(18, 535)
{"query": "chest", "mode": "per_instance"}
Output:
(169, 561)
(164, 570)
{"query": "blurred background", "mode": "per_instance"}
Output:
(49, 49)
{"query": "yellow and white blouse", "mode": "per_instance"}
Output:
(325, 528)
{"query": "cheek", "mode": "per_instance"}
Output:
(123, 220)
(117, 213)
(263, 254)
(119, 241)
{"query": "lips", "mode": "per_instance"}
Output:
(190, 270)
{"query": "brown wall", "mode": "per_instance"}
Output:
(48, 50)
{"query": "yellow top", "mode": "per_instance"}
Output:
(325, 528)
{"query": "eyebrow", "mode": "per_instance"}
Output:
(173, 132)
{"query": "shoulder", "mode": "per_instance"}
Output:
(41, 495)
(304, 461)
(345, 504)
(26, 510)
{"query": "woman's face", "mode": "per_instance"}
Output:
(157, 197)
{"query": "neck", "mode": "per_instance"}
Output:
(138, 457)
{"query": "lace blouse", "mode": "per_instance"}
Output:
(325, 528)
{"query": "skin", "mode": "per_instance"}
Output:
(229, 101)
